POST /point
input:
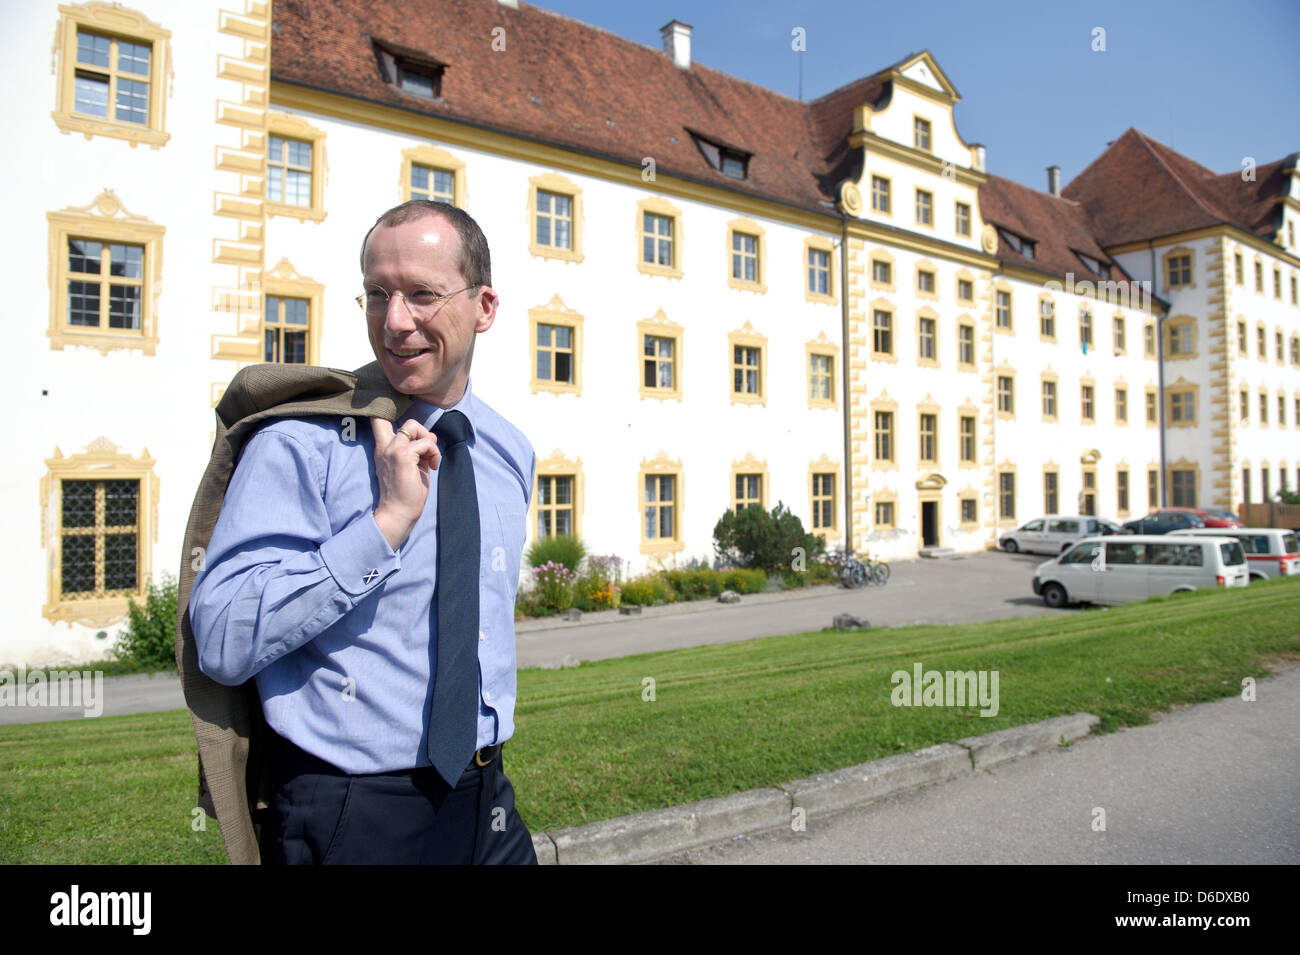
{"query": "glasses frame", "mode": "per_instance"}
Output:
(415, 311)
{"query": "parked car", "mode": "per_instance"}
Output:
(1270, 551)
(1215, 517)
(1116, 570)
(1162, 522)
(1053, 533)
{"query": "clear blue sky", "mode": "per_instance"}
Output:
(1213, 80)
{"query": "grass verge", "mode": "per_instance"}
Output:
(591, 744)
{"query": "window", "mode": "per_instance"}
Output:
(414, 76)
(1296, 419)
(882, 332)
(1088, 499)
(658, 238)
(1295, 350)
(1007, 495)
(968, 511)
(967, 429)
(1238, 268)
(1263, 408)
(1295, 299)
(1259, 276)
(1281, 411)
(745, 255)
(748, 366)
(929, 438)
(662, 493)
(556, 349)
(881, 273)
(880, 195)
(1263, 483)
(884, 514)
(555, 505)
(884, 439)
(285, 330)
(1149, 340)
(97, 513)
(925, 281)
(1182, 483)
(1006, 395)
(819, 270)
(1003, 310)
(748, 490)
(1049, 400)
(555, 218)
(821, 374)
(1243, 342)
(1182, 407)
(1121, 491)
(963, 219)
(294, 168)
(1181, 340)
(1261, 343)
(1121, 405)
(966, 344)
(659, 355)
(1277, 284)
(921, 133)
(1178, 269)
(926, 350)
(1277, 349)
(1151, 409)
(823, 502)
(1244, 405)
(107, 265)
(1086, 402)
(1019, 243)
(434, 174)
(965, 290)
(113, 65)
(1085, 329)
(1051, 498)
(924, 207)
(1046, 318)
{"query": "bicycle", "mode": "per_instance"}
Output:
(855, 573)
(877, 571)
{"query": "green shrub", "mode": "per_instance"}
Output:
(149, 639)
(819, 573)
(643, 591)
(745, 581)
(695, 583)
(560, 549)
(757, 538)
(555, 585)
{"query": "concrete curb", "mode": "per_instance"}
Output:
(647, 836)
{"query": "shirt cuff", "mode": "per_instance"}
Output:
(359, 558)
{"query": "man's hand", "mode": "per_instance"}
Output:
(403, 460)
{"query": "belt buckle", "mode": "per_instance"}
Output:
(478, 755)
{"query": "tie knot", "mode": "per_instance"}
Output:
(452, 429)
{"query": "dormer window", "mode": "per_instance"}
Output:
(1022, 245)
(1095, 266)
(408, 71)
(728, 160)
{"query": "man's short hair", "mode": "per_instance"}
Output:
(475, 261)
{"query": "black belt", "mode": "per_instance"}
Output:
(487, 755)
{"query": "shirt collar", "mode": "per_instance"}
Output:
(428, 414)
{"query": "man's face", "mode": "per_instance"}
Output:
(424, 356)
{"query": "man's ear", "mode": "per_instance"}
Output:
(486, 303)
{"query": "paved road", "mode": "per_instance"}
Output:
(987, 586)
(1215, 783)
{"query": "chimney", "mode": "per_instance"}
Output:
(1054, 180)
(677, 43)
(979, 156)
(512, 4)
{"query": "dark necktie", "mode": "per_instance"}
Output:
(453, 714)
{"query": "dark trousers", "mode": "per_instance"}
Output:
(321, 815)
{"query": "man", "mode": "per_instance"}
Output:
(363, 574)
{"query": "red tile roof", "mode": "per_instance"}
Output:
(568, 83)
(1141, 189)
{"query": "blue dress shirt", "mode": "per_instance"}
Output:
(301, 592)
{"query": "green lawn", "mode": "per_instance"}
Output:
(724, 719)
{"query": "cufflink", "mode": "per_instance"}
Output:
(371, 576)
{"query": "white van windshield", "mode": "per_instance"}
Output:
(1232, 554)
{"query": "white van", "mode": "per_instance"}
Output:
(1054, 533)
(1270, 551)
(1117, 570)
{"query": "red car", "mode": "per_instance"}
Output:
(1213, 518)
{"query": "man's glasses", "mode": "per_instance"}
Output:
(421, 302)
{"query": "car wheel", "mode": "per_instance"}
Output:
(1010, 546)
(1054, 596)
